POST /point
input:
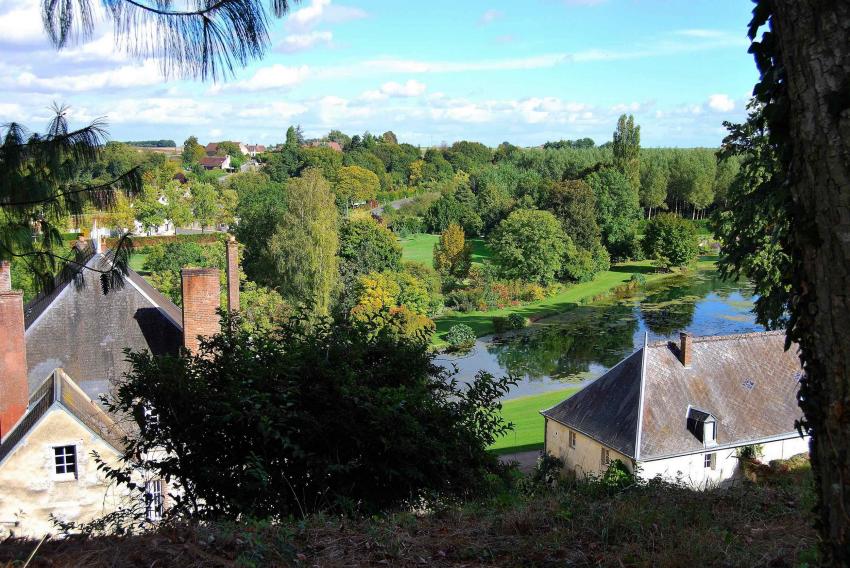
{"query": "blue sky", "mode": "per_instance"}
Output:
(484, 70)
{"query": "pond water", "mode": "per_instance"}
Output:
(579, 345)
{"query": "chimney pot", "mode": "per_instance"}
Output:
(232, 274)
(201, 300)
(685, 348)
(5, 276)
(14, 385)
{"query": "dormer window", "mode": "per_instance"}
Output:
(702, 425)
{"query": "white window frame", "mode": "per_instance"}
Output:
(154, 500)
(709, 433)
(710, 460)
(151, 417)
(64, 475)
(605, 457)
(571, 437)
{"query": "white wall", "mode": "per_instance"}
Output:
(691, 469)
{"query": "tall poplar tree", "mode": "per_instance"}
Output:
(304, 245)
(626, 149)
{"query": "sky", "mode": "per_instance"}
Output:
(434, 72)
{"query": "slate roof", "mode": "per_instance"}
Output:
(85, 331)
(59, 390)
(748, 382)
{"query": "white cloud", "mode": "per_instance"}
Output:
(215, 132)
(321, 11)
(166, 111)
(490, 16)
(272, 111)
(22, 25)
(701, 33)
(272, 77)
(302, 42)
(410, 88)
(148, 73)
(721, 103)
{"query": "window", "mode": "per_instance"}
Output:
(606, 457)
(572, 439)
(65, 460)
(710, 461)
(154, 501)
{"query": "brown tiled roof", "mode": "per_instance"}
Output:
(748, 382)
(213, 161)
(59, 390)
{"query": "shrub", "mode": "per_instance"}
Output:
(460, 336)
(670, 240)
(517, 321)
(637, 280)
(529, 245)
(309, 418)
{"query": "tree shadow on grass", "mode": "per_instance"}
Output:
(634, 268)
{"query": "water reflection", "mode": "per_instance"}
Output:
(581, 344)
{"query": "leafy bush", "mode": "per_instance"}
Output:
(529, 245)
(517, 321)
(141, 242)
(637, 280)
(315, 417)
(460, 336)
(671, 240)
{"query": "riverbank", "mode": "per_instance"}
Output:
(572, 296)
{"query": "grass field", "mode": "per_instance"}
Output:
(137, 262)
(420, 248)
(570, 297)
(524, 412)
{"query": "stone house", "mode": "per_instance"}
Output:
(684, 411)
(60, 353)
(215, 162)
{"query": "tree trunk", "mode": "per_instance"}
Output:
(814, 44)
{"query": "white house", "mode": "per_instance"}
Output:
(684, 411)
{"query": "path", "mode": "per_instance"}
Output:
(379, 210)
(527, 460)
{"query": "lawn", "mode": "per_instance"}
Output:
(137, 262)
(570, 297)
(420, 248)
(524, 412)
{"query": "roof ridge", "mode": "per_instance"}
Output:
(729, 337)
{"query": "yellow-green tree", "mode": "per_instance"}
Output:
(355, 183)
(452, 254)
(305, 242)
(395, 301)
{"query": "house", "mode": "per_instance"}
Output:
(60, 353)
(684, 411)
(254, 149)
(335, 146)
(215, 162)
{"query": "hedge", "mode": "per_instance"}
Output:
(200, 238)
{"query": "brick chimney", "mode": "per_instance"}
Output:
(14, 387)
(201, 299)
(5, 276)
(232, 274)
(685, 348)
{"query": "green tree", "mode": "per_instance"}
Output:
(204, 204)
(654, 178)
(192, 151)
(529, 245)
(670, 240)
(340, 138)
(574, 204)
(366, 246)
(354, 183)
(305, 243)
(626, 150)
(177, 207)
(150, 212)
(754, 227)
(294, 137)
(617, 212)
(260, 206)
(326, 160)
(452, 254)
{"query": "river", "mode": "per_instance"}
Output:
(577, 346)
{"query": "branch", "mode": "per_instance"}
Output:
(93, 188)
